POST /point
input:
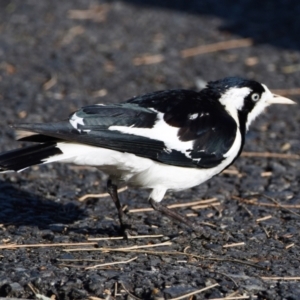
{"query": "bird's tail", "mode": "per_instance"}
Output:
(20, 159)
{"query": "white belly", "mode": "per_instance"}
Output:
(138, 171)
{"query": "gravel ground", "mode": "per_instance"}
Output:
(56, 56)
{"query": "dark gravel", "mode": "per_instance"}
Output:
(51, 64)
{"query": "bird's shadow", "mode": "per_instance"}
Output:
(22, 208)
(269, 22)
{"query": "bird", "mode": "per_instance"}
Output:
(165, 140)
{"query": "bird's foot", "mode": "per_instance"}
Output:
(127, 231)
(126, 226)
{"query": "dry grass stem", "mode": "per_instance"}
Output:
(192, 215)
(280, 278)
(209, 224)
(176, 253)
(50, 83)
(111, 263)
(187, 204)
(287, 92)
(266, 174)
(122, 249)
(270, 155)
(232, 298)
(234, 245)
(148, 59)
(126, 290)
(225, 45)
(195, 292)
(129, 237)
(264, 218)
(96, 13)
(103, 195)
(254, 201)
(109, 238)
(290, 246)
(137, 210)
(15, 246)
(266, 231)
(205, 206)
(192, 203)
(232, 172)
(279, 204)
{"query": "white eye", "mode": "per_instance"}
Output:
(255, 97)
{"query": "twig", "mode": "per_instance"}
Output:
(129, 237)
(227, 276)
(15, 246)
(187, 204)
(232, 172)
(287, 92)
(195, 292)
(247, 210)
(103, 195)
(192, 203)
(205, 206)
(234, 245)
(103, 249)
(148, 59)
(96, 13)
(290, 246)
(232, 298)
(255, 202)
(266, 231)
(264, 218)
(50, 83)
(279, 204)
(208, 224)
(280, 278)
(111, 263)
(176, 253)
(191, 215)
(225, 45)
(126, 290)
(266, 174)
(36, 292)
(270, 155)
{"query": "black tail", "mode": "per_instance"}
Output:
(20, 159)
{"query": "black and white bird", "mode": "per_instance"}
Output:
(166, 140)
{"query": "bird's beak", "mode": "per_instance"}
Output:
(276, 99)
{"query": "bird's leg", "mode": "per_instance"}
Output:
(174, 215)
(113, 192)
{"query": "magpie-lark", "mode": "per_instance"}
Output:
(166, 140)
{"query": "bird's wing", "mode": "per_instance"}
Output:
(199, 120)
(162, 126)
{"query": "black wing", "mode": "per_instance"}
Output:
(204, 122)
(199, 118)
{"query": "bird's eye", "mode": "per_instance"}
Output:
(255, 97)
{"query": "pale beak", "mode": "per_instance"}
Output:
(280, 100)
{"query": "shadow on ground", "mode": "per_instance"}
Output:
(23, 208)
(265, 22)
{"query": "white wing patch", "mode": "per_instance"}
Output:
(75, 121)
(193, 116)
(160, 131)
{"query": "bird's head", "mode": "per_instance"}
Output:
(246, 98)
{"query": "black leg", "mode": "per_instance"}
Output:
(174, 215)
(113, 192)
